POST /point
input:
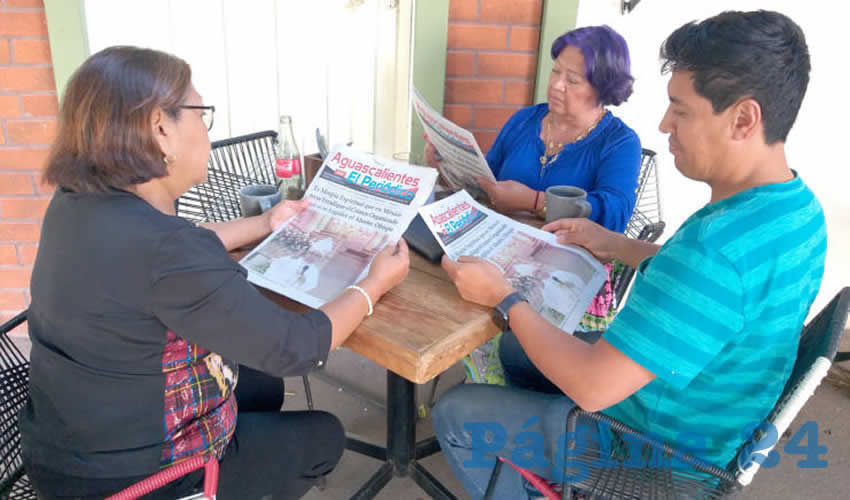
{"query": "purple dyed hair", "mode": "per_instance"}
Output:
(606, 61)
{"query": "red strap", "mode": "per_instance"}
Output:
(164, 477)
(211, 478)
(538, 482)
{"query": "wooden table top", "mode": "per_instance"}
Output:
(420, 328)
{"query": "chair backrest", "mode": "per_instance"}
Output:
(647, 196)
(818, 345)
(820, 338)
(650, 232)
(14, 388)
(234, 163)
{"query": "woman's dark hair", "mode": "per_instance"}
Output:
(606, 61)
(104, 138)
(734, 55)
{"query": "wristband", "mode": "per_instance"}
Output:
(536, 199)
(541, 212)
(363, 292)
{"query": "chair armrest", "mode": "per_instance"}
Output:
(781, 418)
(650, 232)
(14, 322)
(626, 480)
(639, 437)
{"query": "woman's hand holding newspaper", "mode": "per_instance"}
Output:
(509, 196)
(389, 268)
(478, 280)
(284, 211)
(433, 159)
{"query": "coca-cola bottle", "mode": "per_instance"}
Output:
(287, 167)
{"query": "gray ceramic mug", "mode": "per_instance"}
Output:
(257, 198)
(566, 201)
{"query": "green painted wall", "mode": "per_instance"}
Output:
(430, 39)
(559, 16)
(66, 30)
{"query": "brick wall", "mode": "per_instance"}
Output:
(28, 107)
(491, 62)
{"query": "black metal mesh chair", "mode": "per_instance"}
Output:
(622, 279)
(818, 345)
(648, 196)
(234, 163)
(14, 387)
(645, 223)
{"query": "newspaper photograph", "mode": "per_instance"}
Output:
(462, 160)
(559, 281)
(359, 203)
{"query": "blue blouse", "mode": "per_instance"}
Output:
(606, 163)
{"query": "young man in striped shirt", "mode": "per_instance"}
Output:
(709, 334)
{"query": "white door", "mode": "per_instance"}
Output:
(342, 66)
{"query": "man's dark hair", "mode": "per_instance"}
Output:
(734, 55)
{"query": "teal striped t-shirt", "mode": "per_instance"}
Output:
(716, 315)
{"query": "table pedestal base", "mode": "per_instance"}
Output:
(402, 451)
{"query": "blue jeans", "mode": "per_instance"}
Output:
(530, 394)
(476, 422)
(521, 372)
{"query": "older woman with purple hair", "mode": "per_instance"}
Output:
(571, 139)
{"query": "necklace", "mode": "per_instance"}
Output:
(547, 157)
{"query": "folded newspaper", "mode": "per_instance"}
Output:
(462, 160)
(359, 203)
(559, 281)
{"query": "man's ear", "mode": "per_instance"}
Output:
(162, 130)
(746, 119)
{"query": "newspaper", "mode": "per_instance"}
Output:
(559, 281)
(359, 203)
(462, 160)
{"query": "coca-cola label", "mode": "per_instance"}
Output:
(286, 168)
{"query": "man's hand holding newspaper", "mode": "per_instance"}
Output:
(478, 280)
(490, 255)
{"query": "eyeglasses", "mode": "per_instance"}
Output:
(208, 115)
